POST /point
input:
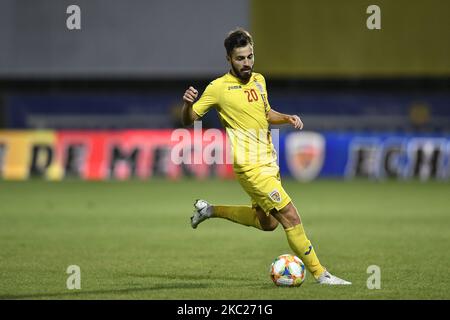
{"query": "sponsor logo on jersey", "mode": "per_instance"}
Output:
(234, 87)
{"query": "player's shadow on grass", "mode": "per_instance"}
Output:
(174, 285)
(81, 292)
(205, 276)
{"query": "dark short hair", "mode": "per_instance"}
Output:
(236, 39)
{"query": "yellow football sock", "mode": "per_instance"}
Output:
(244, 215)
(302, 247)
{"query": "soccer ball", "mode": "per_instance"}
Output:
(287, 270)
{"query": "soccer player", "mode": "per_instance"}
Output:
(241, 100)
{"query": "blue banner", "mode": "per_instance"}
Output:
(310, 155)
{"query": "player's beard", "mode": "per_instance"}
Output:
(242, 76)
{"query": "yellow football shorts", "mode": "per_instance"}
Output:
(263, 185)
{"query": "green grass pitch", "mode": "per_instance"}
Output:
(133, 240)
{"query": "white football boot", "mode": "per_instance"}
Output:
(203, 211)
(328, 278)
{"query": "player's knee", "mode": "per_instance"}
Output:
(272, 225)
(295, 219)
(268, 223)
(291, 214)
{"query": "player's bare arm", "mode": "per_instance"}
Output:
(275, 117)
(188, 116)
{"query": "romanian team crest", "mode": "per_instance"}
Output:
(275, 196)
(259, 86)
(261, 90)
(305, 154)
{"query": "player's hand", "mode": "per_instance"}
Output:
(296, 122)
(190, 95)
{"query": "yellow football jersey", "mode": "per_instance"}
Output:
(242, 109)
